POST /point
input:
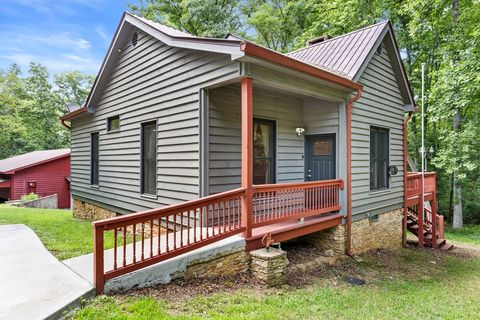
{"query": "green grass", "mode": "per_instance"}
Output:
(468, 234)
(410, 284)
(61, 234)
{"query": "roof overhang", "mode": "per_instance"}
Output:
(268, 55)
(235, 47)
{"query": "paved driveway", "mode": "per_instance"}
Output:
(33, 283)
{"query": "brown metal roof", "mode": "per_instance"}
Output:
(343, 55)
(26, 160)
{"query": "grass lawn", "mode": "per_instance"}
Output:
(468, 234)
(61, 234)
(407, 284)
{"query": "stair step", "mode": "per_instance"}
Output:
(446, 246)
(415, 226)
(441, 242)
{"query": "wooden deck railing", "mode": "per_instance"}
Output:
(414, 183)
(163, 233)
(273, 203)
(145, 238)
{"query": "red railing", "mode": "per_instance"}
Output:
(273, 203)
(160, 234)
(414, 183)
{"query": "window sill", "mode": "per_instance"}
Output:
(380, 191)
(113, 131)
(149, 196)
(95, 186)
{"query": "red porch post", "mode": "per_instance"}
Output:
(247, 154)
(98, 260)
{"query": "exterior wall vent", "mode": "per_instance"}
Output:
(379, 49)
(134, 39)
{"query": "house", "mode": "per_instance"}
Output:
(44, 173)
(230, 137)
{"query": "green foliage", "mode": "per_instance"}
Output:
(206, 18)
(29, 197)
(30, 107)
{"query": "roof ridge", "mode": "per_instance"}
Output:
(339, 37)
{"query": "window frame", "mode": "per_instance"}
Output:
(143, 192)
(377, 130)
(95, 175)
(109, 121)
(273, 141)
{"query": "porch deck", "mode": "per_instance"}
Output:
(285, 211)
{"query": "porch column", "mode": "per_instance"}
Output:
(247, 154)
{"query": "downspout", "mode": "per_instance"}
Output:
(350, 101)
(62, 121)
(405, 174)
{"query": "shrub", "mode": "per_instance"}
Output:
(29, 197)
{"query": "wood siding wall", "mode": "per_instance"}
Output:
(381, 105)
(286, 110)
(50, 178)
(150, 81)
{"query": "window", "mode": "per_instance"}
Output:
(113, 123)
(94, 159)
(379, 149)
(263, 151)
(149, 158)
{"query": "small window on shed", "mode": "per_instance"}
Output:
(113, 123)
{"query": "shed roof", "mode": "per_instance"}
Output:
(10, 165)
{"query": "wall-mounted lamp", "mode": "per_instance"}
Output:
(300, 131)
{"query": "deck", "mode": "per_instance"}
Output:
(286, 211)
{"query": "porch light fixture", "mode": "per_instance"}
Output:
(300, 131)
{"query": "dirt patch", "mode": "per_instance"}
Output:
(307, 268)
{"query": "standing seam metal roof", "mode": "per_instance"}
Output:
(30, 159)
(344, 54)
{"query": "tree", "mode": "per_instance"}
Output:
(205, 18)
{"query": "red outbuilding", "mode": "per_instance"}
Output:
(41, 172)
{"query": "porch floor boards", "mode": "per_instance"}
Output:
(293, 229)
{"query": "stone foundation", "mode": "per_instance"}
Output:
(384, 232)
(269, 267)
(229, 264)
(88, 211)
(331, 242)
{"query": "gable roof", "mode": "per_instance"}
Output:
(23, 161)
(349, 54)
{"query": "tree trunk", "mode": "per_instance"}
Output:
(457, 209)
(450, 202)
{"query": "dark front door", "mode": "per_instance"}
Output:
(320, 157)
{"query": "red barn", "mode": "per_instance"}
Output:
(41, 172)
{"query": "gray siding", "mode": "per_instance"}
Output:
(225, 135)
(381, 105)
(151, 81)
(286, 110)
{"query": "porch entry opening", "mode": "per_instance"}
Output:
(320, 157)
(263, 151)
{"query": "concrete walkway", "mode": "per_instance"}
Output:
(33, 283)
(162, 272)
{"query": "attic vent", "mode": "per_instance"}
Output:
(134, 39)
(379, 50)
(319, 39)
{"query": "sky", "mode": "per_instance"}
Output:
(63, 35)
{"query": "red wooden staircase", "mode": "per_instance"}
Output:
(413, 227)
(428, 226)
